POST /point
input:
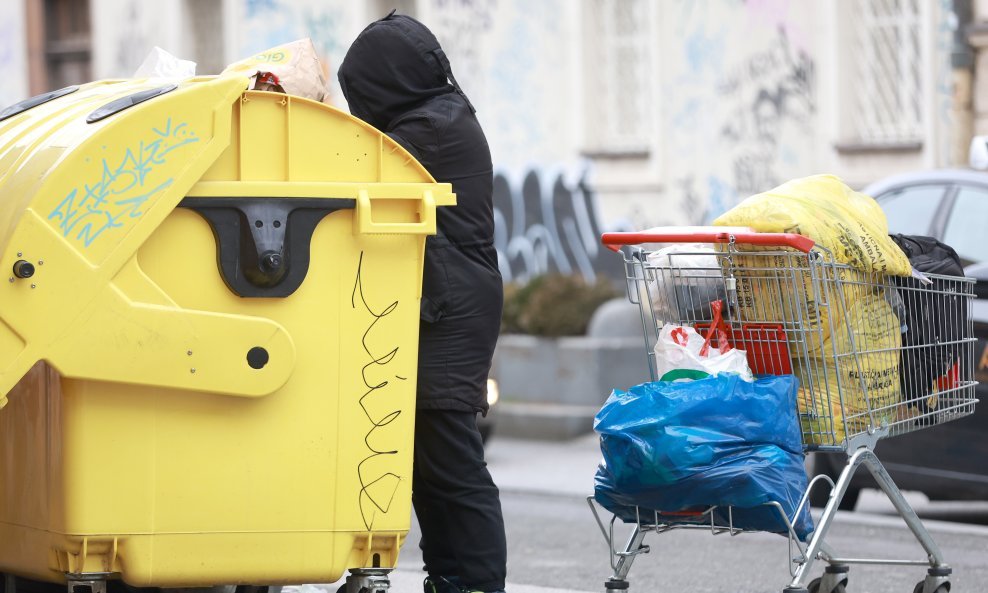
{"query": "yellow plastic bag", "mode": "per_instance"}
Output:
(844, 337)
(857, 372)
(784, 289)
(822, 207)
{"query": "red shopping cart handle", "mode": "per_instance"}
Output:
(708, 234)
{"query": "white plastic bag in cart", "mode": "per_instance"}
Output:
(682, 280)
(682, 353)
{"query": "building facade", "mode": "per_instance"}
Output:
(601, 114)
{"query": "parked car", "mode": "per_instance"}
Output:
(945, 462)
(951, 205)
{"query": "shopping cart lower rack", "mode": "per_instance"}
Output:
(864, 373)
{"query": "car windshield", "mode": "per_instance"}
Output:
(966, 225)
(911, 210)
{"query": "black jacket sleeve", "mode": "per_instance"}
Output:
(417, 134)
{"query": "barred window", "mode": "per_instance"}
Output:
(67, 44)
(619, 99)
(888, 71)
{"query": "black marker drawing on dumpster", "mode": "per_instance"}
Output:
(123, 189)
(380, 490)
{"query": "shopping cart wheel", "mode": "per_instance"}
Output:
(943, 588)
(814, 587)
(834, 580)
(937, 580)
(612, 585)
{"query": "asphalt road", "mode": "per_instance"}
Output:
(555, 546)
(554, 543)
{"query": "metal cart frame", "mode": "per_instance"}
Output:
(840, 330)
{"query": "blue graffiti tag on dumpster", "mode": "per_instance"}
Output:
(124, 188)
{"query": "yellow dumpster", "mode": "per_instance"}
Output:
(208, 335)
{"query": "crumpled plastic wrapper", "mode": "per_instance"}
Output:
(294, 68)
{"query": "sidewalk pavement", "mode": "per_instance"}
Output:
(544, 467)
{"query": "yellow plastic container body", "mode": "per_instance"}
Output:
(146, 444)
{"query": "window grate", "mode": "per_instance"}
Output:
(889, 97)
(619, 102)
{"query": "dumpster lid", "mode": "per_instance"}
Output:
(88, 173)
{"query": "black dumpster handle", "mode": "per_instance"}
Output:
(263, 242)
(122, 103)
(21, 107)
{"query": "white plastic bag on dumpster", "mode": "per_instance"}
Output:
(682, 353)
(161, 64)
(684, 279)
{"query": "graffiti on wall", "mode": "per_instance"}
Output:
(744, 111)
(513, 59)
(463, 26)
(270, 23)
(256, 8)
(546, 222)
(324, 29)
(770, 90)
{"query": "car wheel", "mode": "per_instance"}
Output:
(828, 465)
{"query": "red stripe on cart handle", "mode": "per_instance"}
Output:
(615, 241)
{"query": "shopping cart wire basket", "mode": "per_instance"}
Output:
(793, 307)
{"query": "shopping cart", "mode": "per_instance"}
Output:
(795, 309)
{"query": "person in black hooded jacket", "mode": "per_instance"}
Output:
(397, 78)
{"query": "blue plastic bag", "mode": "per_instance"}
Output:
(688, 445)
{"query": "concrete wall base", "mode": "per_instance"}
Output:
(552, 387)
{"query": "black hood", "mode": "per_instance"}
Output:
(394, 65)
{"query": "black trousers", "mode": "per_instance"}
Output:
(456, 501)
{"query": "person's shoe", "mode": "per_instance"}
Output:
(449, 585)
(441, 585)
(463, 589)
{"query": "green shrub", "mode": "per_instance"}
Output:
(553, 305)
